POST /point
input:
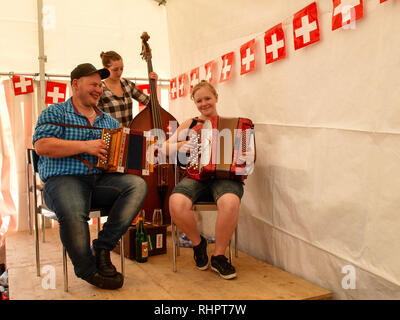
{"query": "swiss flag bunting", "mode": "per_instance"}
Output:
(181, 85)
(22, 85)
(274, 43)
(55, 92)
(227, 61)
(173, 89)
(209, 71)
(145, 88)
(346, 12)
(247, 57)
(306, 27)
(194, 78)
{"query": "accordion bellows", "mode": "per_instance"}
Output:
(220, 144)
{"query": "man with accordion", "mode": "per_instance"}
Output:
(68, 140)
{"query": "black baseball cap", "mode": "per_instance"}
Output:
(86, 69)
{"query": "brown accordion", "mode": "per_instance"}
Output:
(220, 143)
(126, 151)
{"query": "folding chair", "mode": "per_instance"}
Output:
(33, 187)
(205, 203)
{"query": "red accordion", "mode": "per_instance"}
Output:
(214, 159)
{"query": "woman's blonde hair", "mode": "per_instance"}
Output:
(202, 84)
(108, 57)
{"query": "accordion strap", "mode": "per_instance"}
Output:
(87, 163)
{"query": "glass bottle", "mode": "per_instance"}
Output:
(142, 244)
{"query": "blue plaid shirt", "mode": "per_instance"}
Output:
(66, 113)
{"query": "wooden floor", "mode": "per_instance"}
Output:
(153, 280)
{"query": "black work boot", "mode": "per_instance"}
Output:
(110, 283)
(104, 264)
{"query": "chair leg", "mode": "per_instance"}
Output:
(43, 227)
(29, 200)
(65, 271)
(37, 244)
(173, 234)
(122, 254)
(230, 252)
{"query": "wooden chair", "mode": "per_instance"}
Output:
(40, 208)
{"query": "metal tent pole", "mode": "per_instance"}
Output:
(42, 59)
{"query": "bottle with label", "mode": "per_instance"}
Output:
(142, 245)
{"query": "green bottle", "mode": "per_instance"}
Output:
(142, 245)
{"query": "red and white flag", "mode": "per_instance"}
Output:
(209, 71)
(247, 57)
(306, 26)
(145, 88)
(181, 85)
(383, 1)
(346, 12)
(22, 85)
(173, 90)
(194, 78)
(274, 42)
(227, 61)
(55, 92)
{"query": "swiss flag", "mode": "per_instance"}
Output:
(306, 27)
(227, 61)
(194, 78)
(145, 88)
(55, 92)
(345, 12)
(209, 68)
(247, 57)
(22, 85)
(173, 89)
(274, 42)
(181, 85)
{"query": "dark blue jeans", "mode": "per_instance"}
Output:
(119, 195)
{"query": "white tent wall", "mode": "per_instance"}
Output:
(77, 31)
(323, 200)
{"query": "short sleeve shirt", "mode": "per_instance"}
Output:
(120, 108)
(65, 113)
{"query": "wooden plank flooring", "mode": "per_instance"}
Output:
(153, 280)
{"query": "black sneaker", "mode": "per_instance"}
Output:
(221, 265)
(104, 264)
(200, 254)
(110, 283)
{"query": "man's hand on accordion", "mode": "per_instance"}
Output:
(96, 148)
(188, 146)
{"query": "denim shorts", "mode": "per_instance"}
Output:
(203, 190)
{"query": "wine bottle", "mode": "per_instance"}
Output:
(142, 245)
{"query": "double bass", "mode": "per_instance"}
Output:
(161, 181)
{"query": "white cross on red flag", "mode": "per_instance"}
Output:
(22, 85)
(55, 92)
(247, 57)
(346, 12)
(227, 61)
(274, 42)
(306, 26)
(194, 78)
(181, 85)
(173, 89)
(208, 68)
(145, 88)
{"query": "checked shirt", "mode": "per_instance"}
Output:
(120, 108)
(65, 113)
